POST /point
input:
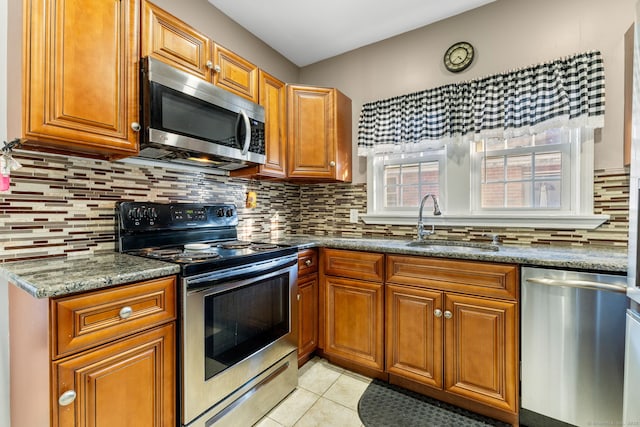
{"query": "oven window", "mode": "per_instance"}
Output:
(244, 320)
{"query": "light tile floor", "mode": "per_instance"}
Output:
(327, 395)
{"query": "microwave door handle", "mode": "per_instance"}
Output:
(244, 119)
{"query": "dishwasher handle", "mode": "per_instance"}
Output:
(584, 284)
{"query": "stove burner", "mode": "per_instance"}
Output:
(239, 244)
(236, 244)
(189, 257)
(263, 246)
(178, 255)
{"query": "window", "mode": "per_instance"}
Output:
(531, 172)
(401, 180)
(541, 180)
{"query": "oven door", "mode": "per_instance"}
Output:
(233, 330)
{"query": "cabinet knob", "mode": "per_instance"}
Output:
(67, 398)
(298, 297)
(136, 126)
(448, 314)
(437, 312)
(209, 64)
(332, 163)
(125, 312)
(307, 263)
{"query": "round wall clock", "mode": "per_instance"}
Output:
(458, 57)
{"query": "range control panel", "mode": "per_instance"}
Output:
(140, 216)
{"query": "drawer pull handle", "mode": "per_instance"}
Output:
(125, 312)
(67, 398)
(307, 263)
(437, 312)
(448, 314)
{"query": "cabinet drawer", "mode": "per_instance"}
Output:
(307, 261)
(355, 265)
(478, 278)
(96, 317)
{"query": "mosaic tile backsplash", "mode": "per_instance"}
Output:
(65, 206)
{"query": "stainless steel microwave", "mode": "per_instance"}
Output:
(188, 120)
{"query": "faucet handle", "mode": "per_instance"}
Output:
(495, 238)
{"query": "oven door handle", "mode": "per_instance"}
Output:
(218, 282)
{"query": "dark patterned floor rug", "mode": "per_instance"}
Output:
(387, 405)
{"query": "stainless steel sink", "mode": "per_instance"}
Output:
(453, 245)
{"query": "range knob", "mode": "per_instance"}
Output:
(220, 212)
(229, 212)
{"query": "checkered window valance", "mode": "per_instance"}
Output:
(564, 92)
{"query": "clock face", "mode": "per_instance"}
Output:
(458, 57)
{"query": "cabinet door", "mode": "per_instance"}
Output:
(172, 41)
(414, 334)
(81, 77)
(481, 357)
(354, 321)
(319, 134)
(273, 97)
(130, 382)
(307, 316)
(311, 132)
(235, 73)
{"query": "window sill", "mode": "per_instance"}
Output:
(586, 222)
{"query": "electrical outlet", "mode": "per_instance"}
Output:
(353, 216)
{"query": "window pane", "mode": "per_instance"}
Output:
(410, 174)
(548, 194)
(519, 167)
(493, 169)
(492, 195)
(406, 184)
(392, 175)
(518, 195)
(549, 165)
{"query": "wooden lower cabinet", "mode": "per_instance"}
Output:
(308, 317)
(354, 316)
(98, 358)
(130, 382)
(456, 347)
(414, 334)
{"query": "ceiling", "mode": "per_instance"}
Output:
(306, 32)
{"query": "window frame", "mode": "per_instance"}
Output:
(460, 194)
(377, 184)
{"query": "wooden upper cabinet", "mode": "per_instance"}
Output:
(273, 97)
(176, 43)
(80, 91)
(234, 73)
(173, 42)
(319, 133)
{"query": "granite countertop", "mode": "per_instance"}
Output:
(583, 258)
(62, 276)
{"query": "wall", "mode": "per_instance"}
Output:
(202, 15)
(4, 308)
(325, 210)
(507, 34)
(65, 206)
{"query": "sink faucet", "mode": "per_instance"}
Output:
(436, 211)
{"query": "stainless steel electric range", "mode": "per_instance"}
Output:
(238, 339)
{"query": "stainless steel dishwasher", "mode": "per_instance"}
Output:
(572, 347)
